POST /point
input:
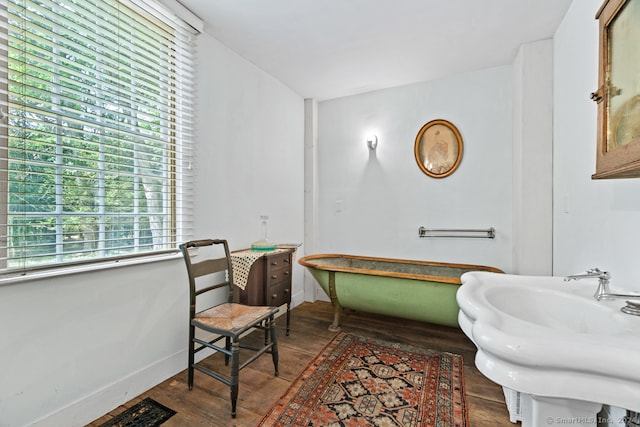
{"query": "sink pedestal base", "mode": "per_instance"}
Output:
(546, 411)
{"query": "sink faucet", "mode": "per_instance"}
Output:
(603, 282)
(603, 292)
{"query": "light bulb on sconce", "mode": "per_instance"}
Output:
(372, 142)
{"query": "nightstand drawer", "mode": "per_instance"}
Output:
(278, 294)
(278, 262)
(276, 276)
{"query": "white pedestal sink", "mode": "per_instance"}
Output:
(552, 341)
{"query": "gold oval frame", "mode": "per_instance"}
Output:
(438, 153)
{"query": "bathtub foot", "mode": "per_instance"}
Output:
(337, 313)
(337, 308)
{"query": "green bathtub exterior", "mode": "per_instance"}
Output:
(390, 287)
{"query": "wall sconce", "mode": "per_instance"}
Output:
(372, 142)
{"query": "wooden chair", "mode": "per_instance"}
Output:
(225, 320)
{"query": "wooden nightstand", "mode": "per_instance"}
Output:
(269, 281)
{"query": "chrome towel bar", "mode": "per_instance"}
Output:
(488, 233)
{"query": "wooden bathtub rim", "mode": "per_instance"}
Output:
(305, 262)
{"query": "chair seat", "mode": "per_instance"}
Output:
(231, 317)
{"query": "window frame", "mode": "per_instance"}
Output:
(176, 214)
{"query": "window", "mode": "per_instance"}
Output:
(95, 130)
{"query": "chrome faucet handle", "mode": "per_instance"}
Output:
(600, 273)
(603, 276)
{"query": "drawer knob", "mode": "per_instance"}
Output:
(274, 296)
(274, 276)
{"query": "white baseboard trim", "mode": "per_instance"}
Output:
(104, 400)
(297, 299)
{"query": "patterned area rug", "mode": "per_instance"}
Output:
(358, 381)
(147, 413)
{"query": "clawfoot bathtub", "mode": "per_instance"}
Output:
(417, 290)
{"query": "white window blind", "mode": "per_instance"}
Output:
(95, 131)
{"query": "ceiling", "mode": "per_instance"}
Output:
(326, 49)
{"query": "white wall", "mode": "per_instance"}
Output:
(250, 155)
(72, 348)
(533, 159)
(311, 288)
(596, 223)
(374, 203)
(76, 345)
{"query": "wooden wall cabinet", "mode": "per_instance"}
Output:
(269, 282)
(618, 94)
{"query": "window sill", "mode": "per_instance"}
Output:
(86, 268)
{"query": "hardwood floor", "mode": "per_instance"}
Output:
(208, 403)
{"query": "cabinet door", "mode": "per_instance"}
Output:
(618, 94)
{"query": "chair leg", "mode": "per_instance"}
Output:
(192, 333)
(288, 317)
(234, 378)
(227, 346)
(266, 334)
(274, 341)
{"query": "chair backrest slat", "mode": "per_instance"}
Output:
(206, 267)
(209, 266)
(212, 288)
